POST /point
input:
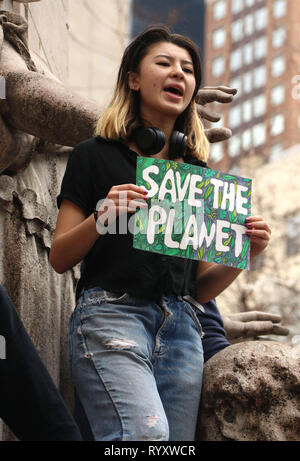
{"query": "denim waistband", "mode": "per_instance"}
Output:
(186, 298)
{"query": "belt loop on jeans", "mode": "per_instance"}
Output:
(195, 303)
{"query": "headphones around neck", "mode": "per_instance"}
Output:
(151, 140)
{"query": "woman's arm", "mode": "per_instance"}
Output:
(75, 233)
(74, 237)
(212, 279)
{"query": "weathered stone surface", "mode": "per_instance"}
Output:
(251, 392)
(44, 108)
(43, 298)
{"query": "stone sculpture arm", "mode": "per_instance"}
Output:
(245, 325)
(48, 109)
(37, 107)
(43, 107)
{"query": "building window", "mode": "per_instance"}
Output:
(234, 146)
(259, 105)
(234, 117)
(275, 152)
(277, 125)
(219, 37)
(218, 66)
(260, 76)
(220, 123)
(219, 9)
(237, 6)
(278, 37)
(277, 95)
(247, 139)
(237, 83)
(249, 3)
(236, 60)
(216, 152)
(279, 8)
(237, 32)
(261, 19)
(249, 25)
(260, 48)
(259, 135)
(278, 66)
(293, 239)
(247, 82)
(247, 111)
(248, 54)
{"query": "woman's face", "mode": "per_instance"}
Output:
(165, 80)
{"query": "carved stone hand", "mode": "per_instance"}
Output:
(220, 94)
(254, 323)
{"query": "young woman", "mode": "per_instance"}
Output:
(135, 341)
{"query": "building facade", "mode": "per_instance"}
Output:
(254, 46)
(98, 32)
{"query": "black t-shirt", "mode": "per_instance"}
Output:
(94, 166)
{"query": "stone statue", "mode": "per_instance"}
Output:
(40, 120)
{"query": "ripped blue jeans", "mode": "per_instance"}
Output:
(137, 366)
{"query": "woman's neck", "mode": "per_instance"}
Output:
(165, 124)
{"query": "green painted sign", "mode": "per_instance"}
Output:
(193, 212)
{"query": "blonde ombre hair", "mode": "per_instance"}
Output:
(122, 115)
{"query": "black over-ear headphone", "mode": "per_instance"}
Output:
(151, 140)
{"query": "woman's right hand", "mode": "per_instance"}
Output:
(76, 234)
(124, 198)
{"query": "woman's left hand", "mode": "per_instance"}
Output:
(260, 234)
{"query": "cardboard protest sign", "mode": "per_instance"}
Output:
(193, 212)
